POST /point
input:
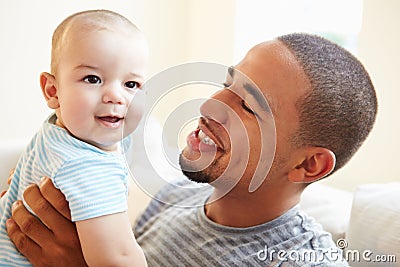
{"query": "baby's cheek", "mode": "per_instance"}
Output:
(77, 115)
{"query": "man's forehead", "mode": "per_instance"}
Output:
(271, 65)
(267, 67)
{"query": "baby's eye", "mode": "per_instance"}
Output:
(132, 85)
(92, 79)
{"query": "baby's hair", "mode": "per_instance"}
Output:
(89, 20)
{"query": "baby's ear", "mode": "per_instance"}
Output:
(49, 90)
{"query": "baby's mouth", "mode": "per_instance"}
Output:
(111, 119)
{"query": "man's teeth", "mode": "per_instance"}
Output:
(205, 139)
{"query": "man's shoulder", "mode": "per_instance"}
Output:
(178, 194)
(182, 193)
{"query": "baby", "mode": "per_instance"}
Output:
(98, 64)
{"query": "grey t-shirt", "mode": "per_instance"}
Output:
(181, 235)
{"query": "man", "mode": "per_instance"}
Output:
(323, 105)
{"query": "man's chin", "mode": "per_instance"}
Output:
(197, 177)
(191, 173)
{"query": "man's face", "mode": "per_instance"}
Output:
(239, 130)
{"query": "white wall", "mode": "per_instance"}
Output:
(379, 44)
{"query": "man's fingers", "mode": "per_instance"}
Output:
(28, 223)
(49, 242)
(55, 197)
(44, 210)
(10, 176)
(23, 243)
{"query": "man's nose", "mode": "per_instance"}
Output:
(217, 106)
(114, 94)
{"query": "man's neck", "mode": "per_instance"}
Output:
(250, 209)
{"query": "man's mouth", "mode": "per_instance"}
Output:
(206, 132)
(205, 138)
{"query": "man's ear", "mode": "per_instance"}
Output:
(49, 90)
(316, 163)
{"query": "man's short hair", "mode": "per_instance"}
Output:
(340, 109)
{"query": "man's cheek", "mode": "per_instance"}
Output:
(133, 117)
(131, 123)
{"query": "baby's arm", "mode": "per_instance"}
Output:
(96, 189)
(109, 241)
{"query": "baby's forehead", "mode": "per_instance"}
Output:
(81, 25)
(83, 28)
(89, 24)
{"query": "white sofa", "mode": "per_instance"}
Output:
(366, 223)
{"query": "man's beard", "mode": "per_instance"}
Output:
(200, 176)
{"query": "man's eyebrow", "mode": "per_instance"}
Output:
(258, 96)
(253, 90)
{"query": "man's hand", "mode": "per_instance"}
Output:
(53, 241)
(8, 181)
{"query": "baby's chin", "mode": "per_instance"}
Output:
(108, 146)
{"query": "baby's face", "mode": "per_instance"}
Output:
(99, 74)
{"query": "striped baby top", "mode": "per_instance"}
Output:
(175, 231)
(93, 181)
